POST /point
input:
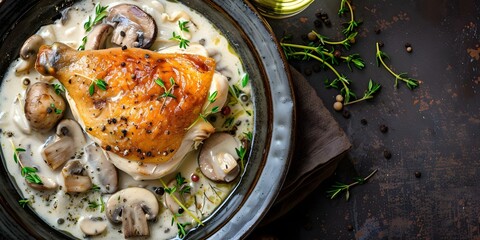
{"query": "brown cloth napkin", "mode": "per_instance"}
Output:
(319, 144)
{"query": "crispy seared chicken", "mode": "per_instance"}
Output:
(140, 106)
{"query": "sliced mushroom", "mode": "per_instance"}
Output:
(134, 28)
(97, 38)
(92, 226)
(28, 52)
(43, 107)
(133, 207)
(75, 177)
(216, 158)
(102, 172)
(69, 139)
(47, 184)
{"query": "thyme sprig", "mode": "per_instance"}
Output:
(354, 59)
(29, 173)
(180, 226)
(346, 42)
(100, 14)
(95, 205)
(373, 88)
(23, 202)
(99, 83)
(342, 79)
(166, 92)
(352, 24)
(171, 193)
(380, 56)
(183, 43)
(241, 152)
(340, 187)
(203, 115)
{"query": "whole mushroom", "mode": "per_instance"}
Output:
(28, 52)
(216, 158)
(43, 106)
(68, 140)
(133, 27)
(133, 207)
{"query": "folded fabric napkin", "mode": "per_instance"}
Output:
(319, 144)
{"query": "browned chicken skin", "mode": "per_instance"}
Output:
(131, 118)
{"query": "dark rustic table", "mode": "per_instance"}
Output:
(433, 130)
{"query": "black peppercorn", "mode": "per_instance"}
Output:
(159, 190)
(380, 44)
(350, 227)
(346, 114)
(363, 121)
(317, 23)
(378, 31)
(124, 47)
(418, 174)
(180, 210)
(327, 23)
(383, 128)
(387, 154)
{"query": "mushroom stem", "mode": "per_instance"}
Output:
(134, 222)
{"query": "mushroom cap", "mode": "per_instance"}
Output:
(30, 47)
(129, 197)
(134, 28)
(216, 159)
(41, 103)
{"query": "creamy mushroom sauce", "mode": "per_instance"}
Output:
(64, 211)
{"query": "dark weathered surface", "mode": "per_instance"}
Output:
(434, 129)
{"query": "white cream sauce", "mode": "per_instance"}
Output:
(63, 211)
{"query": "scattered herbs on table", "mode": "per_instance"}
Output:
(340, 187)
(323, 50)
(380, 56)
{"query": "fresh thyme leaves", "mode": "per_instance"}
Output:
(24, 202)
(95, 205)
(95, 188)
(248, 135)
(183, 43)
(339, 187)
(99, 83)
(55, 109)
(241, 154)
(29, 173)
(166, 92)
(171, 192)
(59, 89)
(323, 50)
(181, 229)
(100, 14)
(380, 56)
(373, 88)
(82, 46)
(182, 184)
(183, 26)
(245, 79)
(203, 115)
(352, 24)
